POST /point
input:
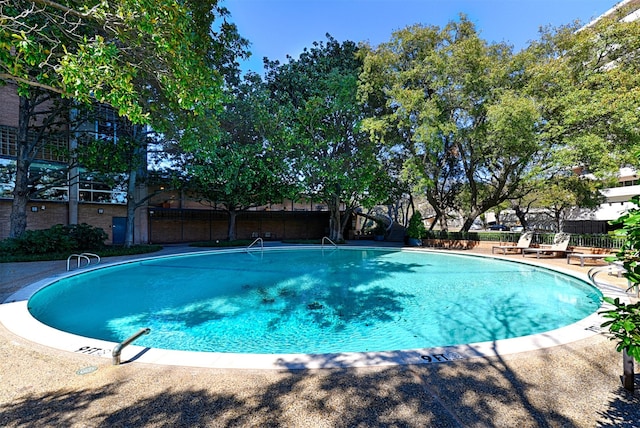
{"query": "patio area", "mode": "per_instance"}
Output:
(573, 385)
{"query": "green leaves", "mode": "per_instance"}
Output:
(456, 110)
(138, 56)
(331, 153)
(629, 253)
(245, 165)
(624, 325)
(588, 85)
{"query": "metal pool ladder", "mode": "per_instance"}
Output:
(612, 269)
(82, 256)
(330, 241)
(255, 242)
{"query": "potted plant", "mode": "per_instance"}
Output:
(416, 230)
(378, 231)
(623, 319)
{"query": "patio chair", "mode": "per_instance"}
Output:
(523, 242)
(559, 246)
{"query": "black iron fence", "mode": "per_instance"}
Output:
(582, 240)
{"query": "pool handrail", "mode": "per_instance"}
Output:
(120, 346)
(254, 243)
(325, 238)
(612, 269)
(85, 256)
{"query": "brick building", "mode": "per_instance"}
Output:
(167, 217)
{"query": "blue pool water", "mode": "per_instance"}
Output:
(314, 301)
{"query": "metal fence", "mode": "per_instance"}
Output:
(583, 240)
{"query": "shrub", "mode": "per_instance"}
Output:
(624, 326)
(624, 319)
(416, 227)
(379, 229)
(87, 237)
(57, 239)
(44, 241)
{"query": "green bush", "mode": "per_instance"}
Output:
(44, 241)
(57, 239)
(624, 319)
(87, 237)
(624, 326)
(416, 227)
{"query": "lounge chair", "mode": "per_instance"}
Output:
(523, 242)
(560, 244)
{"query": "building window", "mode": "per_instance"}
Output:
(52, 181)
(55, 149)
(8, 141)
(96, 191)
(106, 123)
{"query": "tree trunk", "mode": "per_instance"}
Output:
(468, 222)
(522, 217)
(413, 208)
(436, 219)
(558, 220)
(335, 222)
(131, 208)
(346, 218)
(231, 233)
(18, 218)
(137, 173)
(628, 372)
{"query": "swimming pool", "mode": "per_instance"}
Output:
(313, 301)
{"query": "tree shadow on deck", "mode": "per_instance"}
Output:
(475, 392)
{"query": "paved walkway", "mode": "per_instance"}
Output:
(575, 385)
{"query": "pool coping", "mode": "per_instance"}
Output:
(14, 315)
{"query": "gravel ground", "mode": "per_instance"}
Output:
(575, 385)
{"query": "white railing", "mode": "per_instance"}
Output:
(80, 257)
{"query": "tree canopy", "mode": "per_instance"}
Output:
(457, 110)
(122, 53)
(247, 166)
(468, 124)
(332, 155)
(142, 59)
(588, 82)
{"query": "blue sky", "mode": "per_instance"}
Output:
(276, 28)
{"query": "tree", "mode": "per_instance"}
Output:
(41, 121)
(562, 194)
(591, 82)
(103, 51)
(335, 160)
(588, 84)
(247, 165)
(457, 107)
(143, 61)
(121, 161)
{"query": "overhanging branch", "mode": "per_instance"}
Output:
(5, 76)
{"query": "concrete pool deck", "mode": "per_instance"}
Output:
(572, 385)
